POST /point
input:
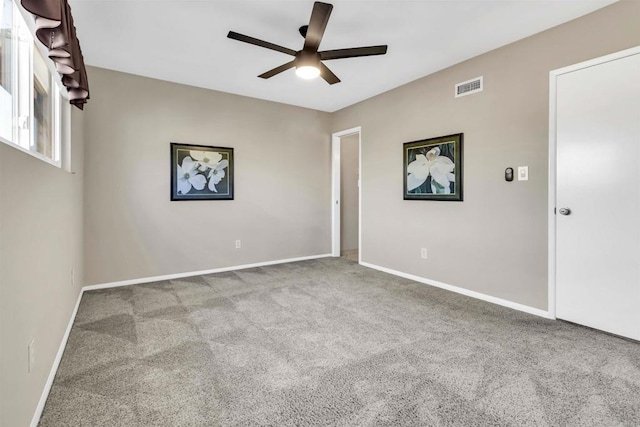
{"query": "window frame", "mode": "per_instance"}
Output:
(23, 81)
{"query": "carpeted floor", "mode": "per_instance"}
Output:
(351, 255)
(328, 342)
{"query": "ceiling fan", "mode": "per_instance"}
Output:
(308, 61)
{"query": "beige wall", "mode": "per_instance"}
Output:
(40, 242)
(282, 180)
(495, 242)
(349, 192)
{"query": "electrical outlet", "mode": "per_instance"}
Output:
(31, 356)
(423, 253)
(238, 244)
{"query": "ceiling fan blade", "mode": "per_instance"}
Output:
(317, 24)
(261, 43)
(328, 75)
(277, 70)
(353, 52)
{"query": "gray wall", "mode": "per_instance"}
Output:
(495, 242)
(282, 180)
(40, 242)
(349, 192)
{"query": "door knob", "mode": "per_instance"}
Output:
(565, 211)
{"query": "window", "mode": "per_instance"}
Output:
(6, 69)
(29, 90)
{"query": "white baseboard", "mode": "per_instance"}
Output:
(56, 362)
(198, 273)
(456, 289)
(54, 368)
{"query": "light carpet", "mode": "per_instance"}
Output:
(328, 342)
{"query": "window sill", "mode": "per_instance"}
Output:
(35, 154)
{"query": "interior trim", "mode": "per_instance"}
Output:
(336, 201)
(551, 221)
(198, 273)
(462, 291)
(54, 368)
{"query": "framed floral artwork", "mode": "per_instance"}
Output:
(433, 168)
(200, 172)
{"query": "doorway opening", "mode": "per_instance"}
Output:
(346, 191)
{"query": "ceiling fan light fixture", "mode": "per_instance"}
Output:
(308, 61)
(307, 72)
(307, 64)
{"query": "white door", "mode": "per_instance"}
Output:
(598, 182)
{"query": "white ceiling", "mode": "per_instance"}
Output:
(185, 41)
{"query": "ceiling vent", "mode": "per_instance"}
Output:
(469, 87)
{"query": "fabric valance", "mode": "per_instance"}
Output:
(55, 29)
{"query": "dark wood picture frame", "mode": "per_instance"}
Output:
(201, 172)
(433, 168)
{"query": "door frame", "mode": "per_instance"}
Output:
(335, 189)
(553, 75)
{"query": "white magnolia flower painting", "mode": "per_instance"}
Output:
(433, 169)
(188, 176)
(201, 172)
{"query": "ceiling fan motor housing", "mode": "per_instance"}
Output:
(306, 58)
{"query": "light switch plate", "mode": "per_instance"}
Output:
(523, 173)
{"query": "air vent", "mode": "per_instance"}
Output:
(469, 87)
